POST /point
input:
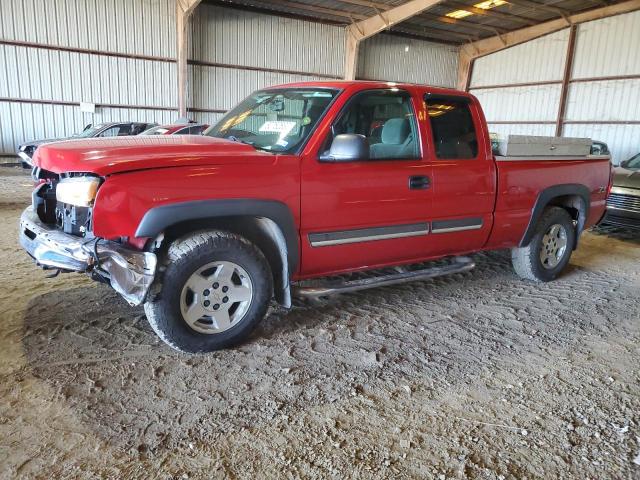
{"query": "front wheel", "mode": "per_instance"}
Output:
(214, 291)
(550, 249)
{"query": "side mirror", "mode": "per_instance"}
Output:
(347, 147)
(624, 164)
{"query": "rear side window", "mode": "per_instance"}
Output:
(454, 134)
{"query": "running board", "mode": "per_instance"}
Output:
(323, 289)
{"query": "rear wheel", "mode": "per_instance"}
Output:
(214, 291)
(550, 249)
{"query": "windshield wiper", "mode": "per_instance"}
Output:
(257, 147)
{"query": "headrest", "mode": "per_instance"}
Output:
(395, 131)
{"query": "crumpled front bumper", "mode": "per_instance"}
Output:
(130, 272)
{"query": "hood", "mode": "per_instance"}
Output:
(627, 178)
(105, 156)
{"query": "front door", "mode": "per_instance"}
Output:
(370, 211)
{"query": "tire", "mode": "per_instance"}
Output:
(197, 267)
(528, 261)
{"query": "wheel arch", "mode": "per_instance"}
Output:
(267, 224)
(575, 198)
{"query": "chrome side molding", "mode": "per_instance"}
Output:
(459, 225)
(368, 234)
(344, 237)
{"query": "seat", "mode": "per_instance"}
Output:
(397, 140)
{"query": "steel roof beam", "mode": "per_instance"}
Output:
(437, 18)
(184, 9)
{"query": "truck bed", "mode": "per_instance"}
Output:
(522, 180)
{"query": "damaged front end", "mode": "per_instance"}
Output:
(130, 272)
(58, 236)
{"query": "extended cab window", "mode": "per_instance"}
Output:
(278, 120)
(386, 118)
(454, 134)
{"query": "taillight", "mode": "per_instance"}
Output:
(611, 173)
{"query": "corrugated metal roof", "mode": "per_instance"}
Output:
(432, 24)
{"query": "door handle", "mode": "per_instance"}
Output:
(420, 182)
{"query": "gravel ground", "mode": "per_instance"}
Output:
(478, 375)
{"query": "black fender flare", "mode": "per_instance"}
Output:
(546, 196)
(158, 219)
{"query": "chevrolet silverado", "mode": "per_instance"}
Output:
(292, 189)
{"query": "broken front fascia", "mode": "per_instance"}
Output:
(130, 272)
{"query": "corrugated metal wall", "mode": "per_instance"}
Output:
(603, 109)
(236, 52)
(120, 55)
(146, 25)
(55, 54)
(536, 61)
(387, 57)
(607, 48)
(527, 106)
(244, 38)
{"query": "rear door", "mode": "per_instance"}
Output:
(370, 211)
(464, 174)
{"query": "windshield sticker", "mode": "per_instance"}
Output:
(276, 126)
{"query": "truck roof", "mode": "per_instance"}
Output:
(363, 84)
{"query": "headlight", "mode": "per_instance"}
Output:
(78, 191)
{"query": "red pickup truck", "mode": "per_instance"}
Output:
(298, 182)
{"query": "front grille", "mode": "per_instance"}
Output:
(620, 221)
(624, 202)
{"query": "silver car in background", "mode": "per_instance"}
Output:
(623, 204)
(111, 129)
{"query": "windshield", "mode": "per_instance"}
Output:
(90, 131)
(275, 120)
(633, 162)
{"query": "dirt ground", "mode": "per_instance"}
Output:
(478, 375)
